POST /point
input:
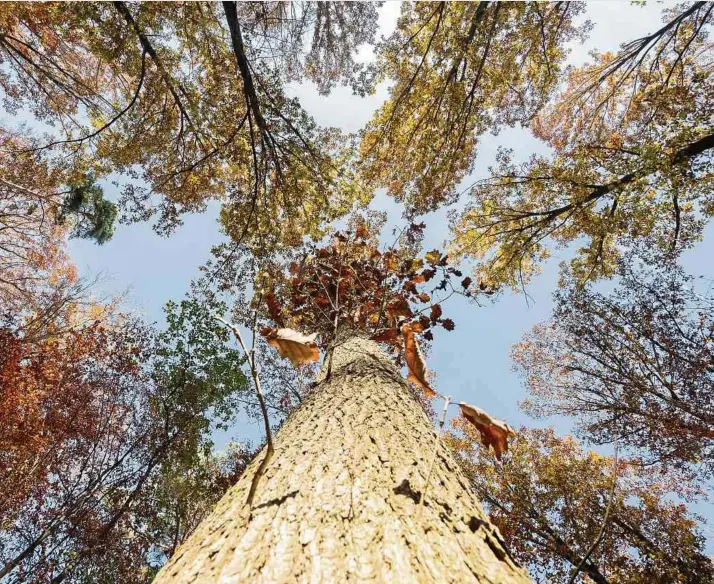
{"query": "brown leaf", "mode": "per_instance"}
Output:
(297, 347)
(415, 361)
(493, 432)
(448, 324)
(436, 312)
(410, 286)
(424, 297)
(466, 282)
(398, 306)
(428, 274)
(274, 308)
(385, 335)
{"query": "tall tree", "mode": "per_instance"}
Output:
(188, 102)
(552, 503)
(634, 365)
(459, 70)
(354, 485)
(632, 141)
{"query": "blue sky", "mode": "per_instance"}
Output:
(472, 362)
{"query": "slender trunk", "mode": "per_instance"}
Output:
(338, 501)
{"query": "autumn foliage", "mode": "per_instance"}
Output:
(549, 496)
(351, 284)
(107, 461)
(635, 364)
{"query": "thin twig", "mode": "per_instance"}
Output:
(250, 355)
(605, 518)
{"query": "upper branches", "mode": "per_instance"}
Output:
(460, 70)
(631, 160)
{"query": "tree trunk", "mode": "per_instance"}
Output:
(338, 501)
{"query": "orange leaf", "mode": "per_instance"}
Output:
(415, 361)
(493, 432)
(297, 347)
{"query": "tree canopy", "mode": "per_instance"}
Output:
(631, 137)
(107, 453)
(550, 498)
(188, 102)
(459, 70)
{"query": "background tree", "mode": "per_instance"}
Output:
(36, 214)
(549, 499)
(97, 409)
(102, 435)
(188, 102)
(634, 364)
(173, 502)
(459, 70)
(632, 140)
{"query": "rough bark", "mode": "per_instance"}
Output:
(338, 501)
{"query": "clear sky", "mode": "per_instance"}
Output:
(472, 362)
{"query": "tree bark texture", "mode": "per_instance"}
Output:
(339, 499)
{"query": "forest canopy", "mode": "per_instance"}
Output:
(124, 117)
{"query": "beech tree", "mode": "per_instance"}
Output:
(561, 508)
(356, 475)
(633, 365)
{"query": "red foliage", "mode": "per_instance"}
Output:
(49, 407)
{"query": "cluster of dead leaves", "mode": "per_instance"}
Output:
(352, 283)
